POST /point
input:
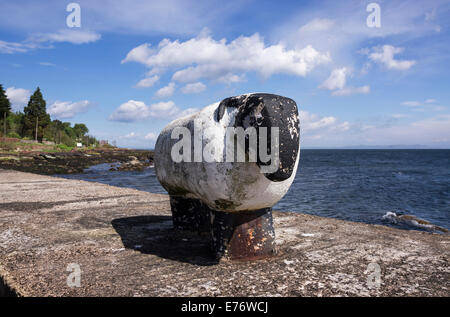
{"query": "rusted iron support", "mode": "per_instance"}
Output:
(246, 235)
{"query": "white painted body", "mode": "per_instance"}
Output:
(240, 183)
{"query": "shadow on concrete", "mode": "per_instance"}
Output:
(156, 235)
(5, 290)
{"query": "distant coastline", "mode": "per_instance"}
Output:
(50, 159)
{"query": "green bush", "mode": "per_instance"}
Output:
(13, 135)
(67, 140)
(64, 147)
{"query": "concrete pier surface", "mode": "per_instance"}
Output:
(124, 245)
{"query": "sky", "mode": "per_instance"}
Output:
(361, 72)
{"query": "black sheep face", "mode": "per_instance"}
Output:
(268, 110)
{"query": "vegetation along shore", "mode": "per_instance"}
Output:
(32, 142)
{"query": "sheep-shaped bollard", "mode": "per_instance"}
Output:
(225, 166)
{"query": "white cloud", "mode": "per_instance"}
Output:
(385, 56)
(47, 64)
(314, 127)
(204, 57)
(132, 111)
(317, 25)
(330, 131)
(311, 122)
(151, 136)
(73, 36)
(351, 91)
(14, 47)
(411, 103)
(187, 112)
(139, 54)
(318, 130)
(336, 80)
(147, 82)
(193, 88)
(44, 40)
(166, 91)
(439, 108)
(427, 105)
(18, 97)
(130, 135)
(68, 109)
(166, 109)
(435, 130)
(230, 79)
(136, 139)
(339, 27)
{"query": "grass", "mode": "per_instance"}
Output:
(64, 147)
(10, 146)
(14, 147)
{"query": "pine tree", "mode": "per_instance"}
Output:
(5, 108)
(35, 117)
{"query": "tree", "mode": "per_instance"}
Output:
(15, 121)
(80, 130)
(90, 140)
(5, 108)
(58, 125)
(35, 117)
(69, 130)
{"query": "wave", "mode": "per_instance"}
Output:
(402, 176)
(412, 221)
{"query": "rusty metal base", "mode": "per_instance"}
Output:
(190, 214)
(246, 235)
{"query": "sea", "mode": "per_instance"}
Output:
(370, 186)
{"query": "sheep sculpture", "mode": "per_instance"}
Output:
(224, 168)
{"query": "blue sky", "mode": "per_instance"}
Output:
(134, 66)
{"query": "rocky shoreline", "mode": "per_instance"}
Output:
(45, 163)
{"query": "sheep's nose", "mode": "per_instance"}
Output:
(270, 111)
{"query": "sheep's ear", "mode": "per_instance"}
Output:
(227, 102)
(221, 109)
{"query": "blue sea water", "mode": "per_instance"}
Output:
(356, 185)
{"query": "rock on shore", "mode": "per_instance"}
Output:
(133, 164)
(73, 161)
